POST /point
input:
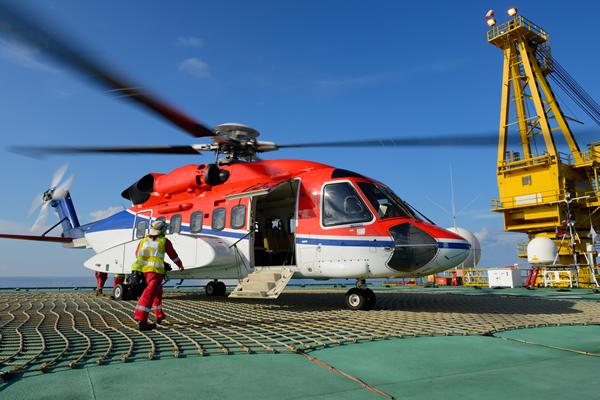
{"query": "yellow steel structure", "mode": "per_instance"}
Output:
(534, 179)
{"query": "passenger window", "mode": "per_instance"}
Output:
(140, 229)
(238, 217)
(218, 219)
(342, 205)
(175, 225)
(196, 222)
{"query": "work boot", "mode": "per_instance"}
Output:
(145, 326)
(160, 320)
(98, 291)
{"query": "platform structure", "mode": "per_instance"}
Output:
(540, 189)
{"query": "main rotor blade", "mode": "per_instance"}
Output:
(441, 141)
(469, 140)
(41, 151)
(27, 29)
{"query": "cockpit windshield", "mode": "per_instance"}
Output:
(385, 202)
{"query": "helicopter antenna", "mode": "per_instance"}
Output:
(452, 188)
(454, 214)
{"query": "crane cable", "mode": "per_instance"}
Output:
(563, 80)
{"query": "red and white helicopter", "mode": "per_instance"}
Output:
(262, 222)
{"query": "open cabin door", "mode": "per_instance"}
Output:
(273, 213)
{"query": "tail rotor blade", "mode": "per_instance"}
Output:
(35, 204)
(41, 219)
(58, 175)
(61, 191)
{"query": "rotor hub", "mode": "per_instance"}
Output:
(236, 131)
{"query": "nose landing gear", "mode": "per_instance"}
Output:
(360, 297)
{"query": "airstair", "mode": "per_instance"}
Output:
(263, 283)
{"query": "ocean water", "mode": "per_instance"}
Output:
(73, 282)
(28, 282)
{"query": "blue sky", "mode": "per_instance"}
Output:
(296, 71)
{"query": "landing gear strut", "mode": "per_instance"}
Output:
(215, 288)
(360, 297)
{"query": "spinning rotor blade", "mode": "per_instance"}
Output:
(470, 140)
(41, 151)
(58, 175)
(28, 30)
(42, 218)
(61, 191)
(37, 202)
(435, 141)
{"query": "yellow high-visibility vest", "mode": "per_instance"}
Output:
(151, 256)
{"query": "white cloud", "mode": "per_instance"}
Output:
(498, 248)
(498, 237)
(98, 215)
(194, 67)
(190, 41)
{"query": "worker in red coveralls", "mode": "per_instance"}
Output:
(150, 260)
(101, 278)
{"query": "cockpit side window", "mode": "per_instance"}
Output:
(342, 205)
(385, 202)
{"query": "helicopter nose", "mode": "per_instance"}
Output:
(417, 250)
(452, 252)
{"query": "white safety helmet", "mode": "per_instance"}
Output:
(158, 227)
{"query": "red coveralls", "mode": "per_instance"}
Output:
(101, 278)
(152, 296)
(118, 279)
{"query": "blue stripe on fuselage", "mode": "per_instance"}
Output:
(454, 245)
(371, 243)
(345, 242)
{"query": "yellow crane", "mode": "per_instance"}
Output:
(541, 190)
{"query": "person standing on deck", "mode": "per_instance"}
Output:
(101, 278)
(150, 261)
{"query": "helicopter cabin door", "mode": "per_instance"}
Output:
(273, 210)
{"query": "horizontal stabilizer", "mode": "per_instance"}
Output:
(37, 238)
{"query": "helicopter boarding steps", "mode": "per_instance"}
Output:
(263, 283)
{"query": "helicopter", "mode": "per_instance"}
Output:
(262, 222)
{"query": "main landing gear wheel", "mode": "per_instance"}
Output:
(215, 288)
(372, 299)
(211, 288)
(222, 288)
(121, 291)
(360, 299)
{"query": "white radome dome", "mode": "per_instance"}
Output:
(475, 256)
(541, 251)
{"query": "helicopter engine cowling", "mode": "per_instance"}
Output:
(190, 178)
(183, 179)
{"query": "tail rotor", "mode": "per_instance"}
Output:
(56, 192)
